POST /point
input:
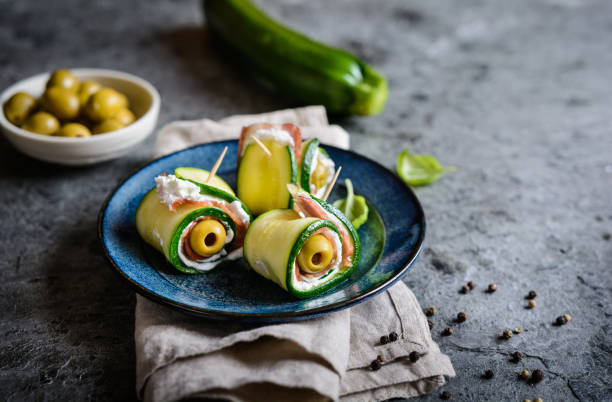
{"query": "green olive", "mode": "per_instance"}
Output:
(316, 254)
(125, 116)
(87, 89)
(107, 125)
(41, 123)
(207, 237)
(124, 100)
(104, 104)
(19, 107)
(61, 102)
(73, 130)
(64, 79)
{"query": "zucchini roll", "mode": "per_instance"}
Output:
(195, 225)
(305, 250)
(262, 179)
(316, 168)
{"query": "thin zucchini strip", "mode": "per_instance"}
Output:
(261, 179)
(194, 225)
(290, 250)
(316, 168)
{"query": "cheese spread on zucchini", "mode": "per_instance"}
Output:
(171, 189)
(236, 208)
(270, 134)
(328, 163)
(208, 263)
(305, 283)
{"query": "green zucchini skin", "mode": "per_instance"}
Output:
(349, 226)
(297, 246)
(224, 195)
(152, 215)
(294, 173)
(291, 231)
(308, 70)
(309, 149)
(201, 176)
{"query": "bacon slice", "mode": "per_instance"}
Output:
(295, 133)
(312, 208)
(293, 130)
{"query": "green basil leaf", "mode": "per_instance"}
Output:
(419, 170)
(353, 206)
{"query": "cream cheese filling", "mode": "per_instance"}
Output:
(277, 135)
(329, 164)
(171, 189)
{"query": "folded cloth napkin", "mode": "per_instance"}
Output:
(325, 358)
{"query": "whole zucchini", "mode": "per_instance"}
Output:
(305, 69)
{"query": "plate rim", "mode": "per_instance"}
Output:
(263, 317)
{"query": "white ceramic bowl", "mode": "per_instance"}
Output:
(144, 103)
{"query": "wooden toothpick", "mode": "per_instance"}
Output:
(331, 185)
(262, 146)
(215, 167)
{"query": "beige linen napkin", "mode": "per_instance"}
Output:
(325, 358)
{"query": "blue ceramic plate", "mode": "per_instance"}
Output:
(391, 239)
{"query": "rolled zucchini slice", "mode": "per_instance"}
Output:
(262, 179)
(307, 205)
(194, 225)
(316, 168)
(301, 255)
(201, 176)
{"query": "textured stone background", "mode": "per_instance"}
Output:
(515, 94)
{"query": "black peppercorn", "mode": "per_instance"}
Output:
(471, 285)
(489, 374)
(447, 332)
(393, 336)
(531, 295)
(537, 376)
(461, 317)
(375, 365)
(430, 323)
(606, 236)
(431, 310)
(384, 340)
(517, 357)
(561, 320)
(414, 356)
(465, 289)
(445, 395)
(492, 288)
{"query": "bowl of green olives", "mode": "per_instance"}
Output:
(80, 116)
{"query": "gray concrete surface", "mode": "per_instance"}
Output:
(515, 94)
